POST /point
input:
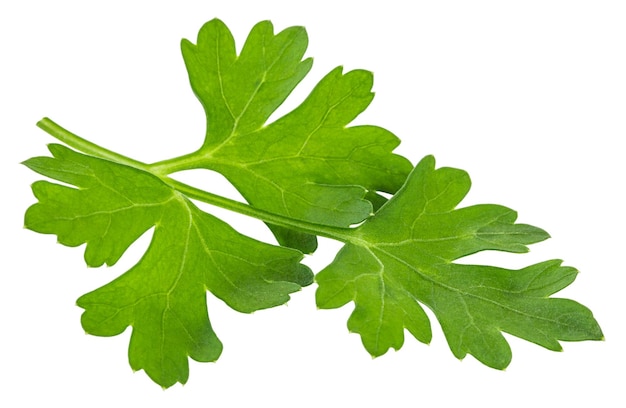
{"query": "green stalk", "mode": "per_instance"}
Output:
(336, 233)
(161, 169)
(185, 162)
(86, 146)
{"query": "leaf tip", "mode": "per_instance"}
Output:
(185, 44)
(427, 162)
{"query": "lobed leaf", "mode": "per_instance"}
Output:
(312, 173)
(163, 297)
(402, 257)
(306, 165)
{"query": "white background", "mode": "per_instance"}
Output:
(528, 97)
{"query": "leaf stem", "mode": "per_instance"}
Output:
(185, 162)
(160, 170)
(85, 146)
(336, 233)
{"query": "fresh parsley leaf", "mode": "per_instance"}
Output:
(403, 255)
(306, 165)
(163, 296)
(306, 174)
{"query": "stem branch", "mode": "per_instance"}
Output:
(161, 169)
(85, 146)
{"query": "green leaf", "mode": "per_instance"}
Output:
(402, 257)
(305, 174)
(163, 297)
(306, 165)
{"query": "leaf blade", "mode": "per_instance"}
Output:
(307, 164)
(163, 297)
(410, 245)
